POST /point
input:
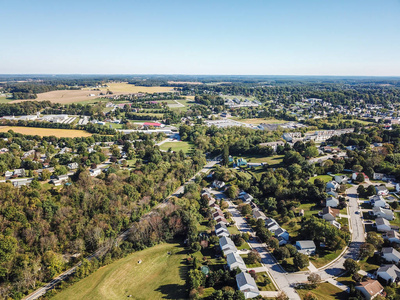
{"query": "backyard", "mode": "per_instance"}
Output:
(186, 147)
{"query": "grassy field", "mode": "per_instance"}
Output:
(324, 257)
(46, 131)
(125, 88)
(177, 146)
(4, 100)
(325, 291)
(159, 276)
(257, 121)
(273, 161)
(325, 178)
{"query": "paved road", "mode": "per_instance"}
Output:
(286, 281)
(326, 157)
(271, 266)
(41, 291)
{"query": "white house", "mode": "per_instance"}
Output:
(390, 254)
(247, 285)
(73, 166)
(329, 214)
(392, 236)
(390, 273)
(379, 176)
(380, 212)
(234, 261)
(221, 230)
(332, 185)
(370, 288)
(271, 225)
(218, 184)
(336, 224)
(306, 247)
(95, 172)
(227, 245)
(246, 198)
(378, 200)
(354, 176)
(382, 225)
(398, 187)
(331, 202)
(381, 190)
(341, 179)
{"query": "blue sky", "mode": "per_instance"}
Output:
(266, 37)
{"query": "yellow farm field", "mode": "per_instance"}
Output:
(46, 131)
(87, 94)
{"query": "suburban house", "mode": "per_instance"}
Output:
(20, 183)
(398, 187)
(234, 261)
(73, 166)
(218, 184)
(241, 162)
(332, 192)
(219, 217)
(221, 230)
(247, 285)
(381, 190)
(354, 176)
(370, 288)
(271, 225)
(245, 197)
(392, 236)
(331, 202)
(282, 235)
(380, 212)
(329, 214)
(390, 254)
(390, 273)
(379, 176)
(382, 225)
(332, 185)
(341, 179)
(258, 214)
(227, 245)
(306, 247)
(378, 200)
(95, 172)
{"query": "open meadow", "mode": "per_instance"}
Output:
(257, 121)
(84, 95)
(46, 131)
(159, 276)
(177, 146)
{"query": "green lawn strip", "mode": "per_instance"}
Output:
(396, 221)
(159, 275)
(324, 257)
(325, 291)
(264, 282)
(233, 230)
(325, 178)
(186, 147)
(370, 264)
(310, 209)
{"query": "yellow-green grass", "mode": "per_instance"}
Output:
(264, 282)
(257, 121)
(124, 87)
(325, 178)
(46, 131)
(4, 100)
(270, 160)
(310, 209)
(233, 230)
(177, 146)
(158, 276)
(115, 125)
(325, 291)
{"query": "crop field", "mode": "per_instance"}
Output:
(159, 276)
(46, 131)
(71, 96)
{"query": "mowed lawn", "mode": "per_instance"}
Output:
(158, 276)
(325, 178)
(272, 161)
(257, 121)
(46, 131)
(177, 146)
(325, 291)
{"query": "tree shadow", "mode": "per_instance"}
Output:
(173, 291)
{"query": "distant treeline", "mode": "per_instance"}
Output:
(23, 108)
